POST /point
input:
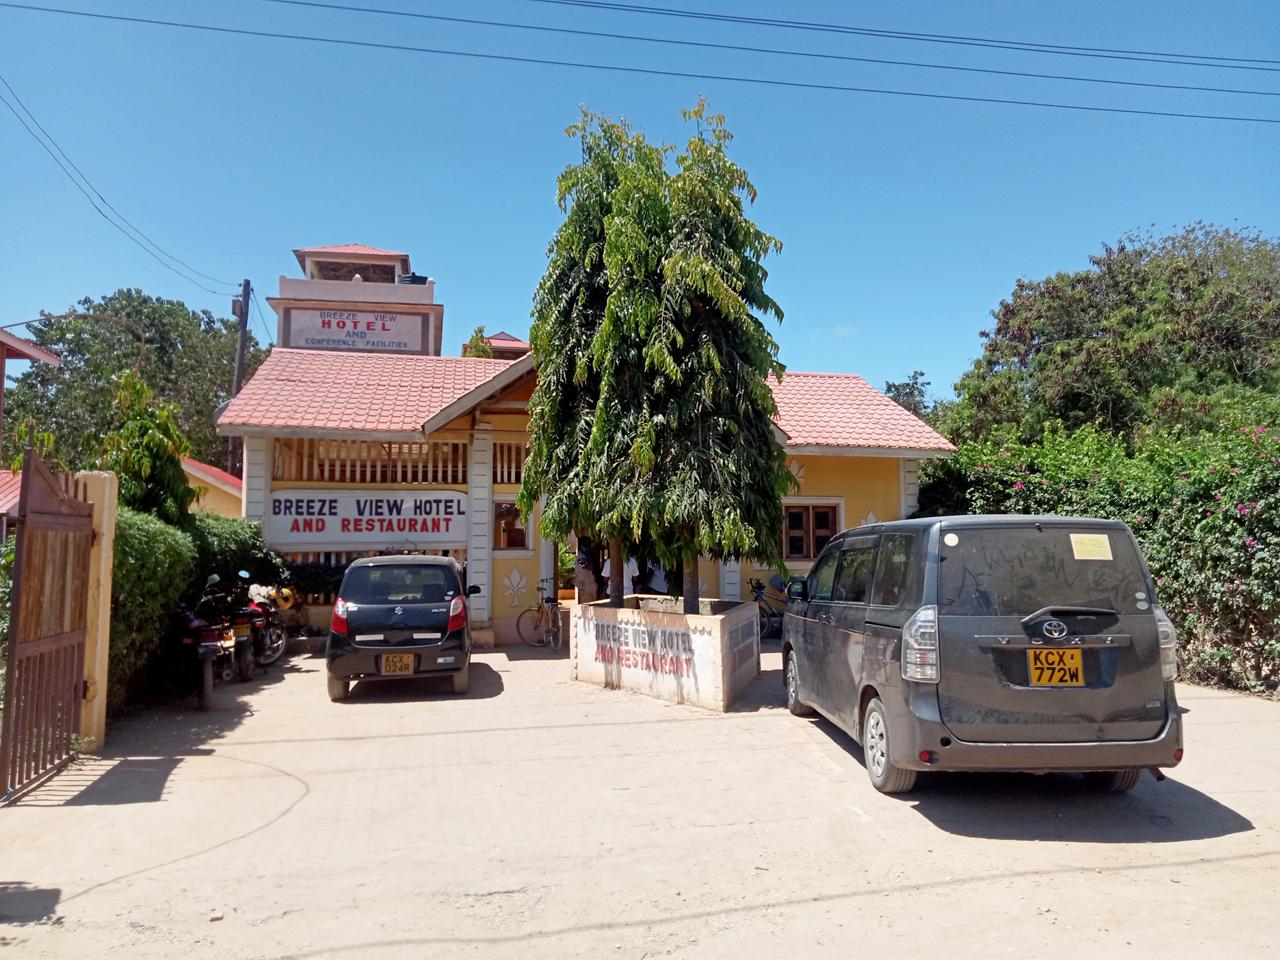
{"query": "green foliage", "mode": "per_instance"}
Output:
(1156, 330)
(1204, 505)
(226, 546)
(154, 566)
(315, 577)
(144, 448)
(652, 419)
(478, 345)
(911, 394)
(186, 357)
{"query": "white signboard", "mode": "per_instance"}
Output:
(310, 519)
(356, 330)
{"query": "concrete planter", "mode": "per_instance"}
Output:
(648, 645)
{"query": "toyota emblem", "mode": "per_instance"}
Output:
(1054, 629)
(399, 610)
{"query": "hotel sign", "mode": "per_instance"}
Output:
(310, 519)
(356, 330)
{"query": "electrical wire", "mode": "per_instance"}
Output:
(102, 213)
(48, 136)
(266, 328)
(1026, 46)
(643, 71)
(742, 48)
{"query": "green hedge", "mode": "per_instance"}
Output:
(153, 568)
(226, 546)
(1204, 506)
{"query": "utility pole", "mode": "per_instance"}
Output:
(240, 310)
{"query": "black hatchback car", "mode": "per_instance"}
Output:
(398, 617)
(1010, 643)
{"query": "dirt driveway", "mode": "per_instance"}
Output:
(544, 818)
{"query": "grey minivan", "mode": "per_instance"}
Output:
(1011, 643)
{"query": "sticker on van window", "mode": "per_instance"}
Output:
(1090, 546)
(951, 540)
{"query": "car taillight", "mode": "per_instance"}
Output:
(1168, 645)
(920, 646)
(457, 615)
(338, 624)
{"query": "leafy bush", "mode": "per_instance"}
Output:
(226, 546)
(153, 568)
(1205, 507)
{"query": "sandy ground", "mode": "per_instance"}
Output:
(540, 817)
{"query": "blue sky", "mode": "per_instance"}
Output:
(904, 221)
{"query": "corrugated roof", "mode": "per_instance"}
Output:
(206, 471)
(843, 410)
(323, 390)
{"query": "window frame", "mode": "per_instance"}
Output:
(526, 550)
(788, 503)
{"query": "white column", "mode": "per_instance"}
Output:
(546, 551)
(480, 527)
(910, 486)
(256, 479)
(730, 580)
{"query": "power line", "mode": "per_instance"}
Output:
(102, 213)
(266, 328)
(1105, 53)
(48, 136)
(644, 71)
(742, 48)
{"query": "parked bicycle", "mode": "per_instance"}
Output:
(539, 626)
(771, 607)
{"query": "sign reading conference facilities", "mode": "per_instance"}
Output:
(310, 518)
(356, 330)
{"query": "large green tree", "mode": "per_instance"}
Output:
(1157, 329)
(666, 437)
(186, 357)
(144, 448)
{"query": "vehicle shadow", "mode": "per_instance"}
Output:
(485, 683)
(1062, 807)
(765, 692)
(522, 651)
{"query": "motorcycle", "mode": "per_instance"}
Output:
(214, 648)
(270, 636)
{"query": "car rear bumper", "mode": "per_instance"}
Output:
(912, 734)
(347, 661)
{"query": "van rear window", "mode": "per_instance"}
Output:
(1015, 571)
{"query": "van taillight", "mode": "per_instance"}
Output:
(338, 624)
(1168, 645)
(457, 615)
(920, 646)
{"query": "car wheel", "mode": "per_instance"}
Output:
(1113, 781)
(792, 677)
(462, 680)
(885, 777)
(338, 688)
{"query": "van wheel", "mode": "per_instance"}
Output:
(462, 680)
(1113, 781)
(338, 688)
(885, 777)
(794, 704)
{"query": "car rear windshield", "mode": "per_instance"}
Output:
(396, 583)
(1015, 571)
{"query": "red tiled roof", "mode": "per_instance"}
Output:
(843, 410)
(322, 390)
(206, 470)
(506, 340)
(350, 249)
(10, 487)
(16, 346)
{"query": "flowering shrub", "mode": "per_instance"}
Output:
(1204, 506)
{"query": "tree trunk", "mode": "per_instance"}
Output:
(617, 573)
(691, 584)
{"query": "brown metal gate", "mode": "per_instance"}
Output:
(44, 679)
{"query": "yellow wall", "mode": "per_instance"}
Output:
(870, 489)
(215, 501)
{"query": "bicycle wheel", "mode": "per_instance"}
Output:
(532, 628)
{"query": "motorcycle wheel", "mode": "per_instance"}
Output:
(244, 665)
(273, 650)
(204, 692)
